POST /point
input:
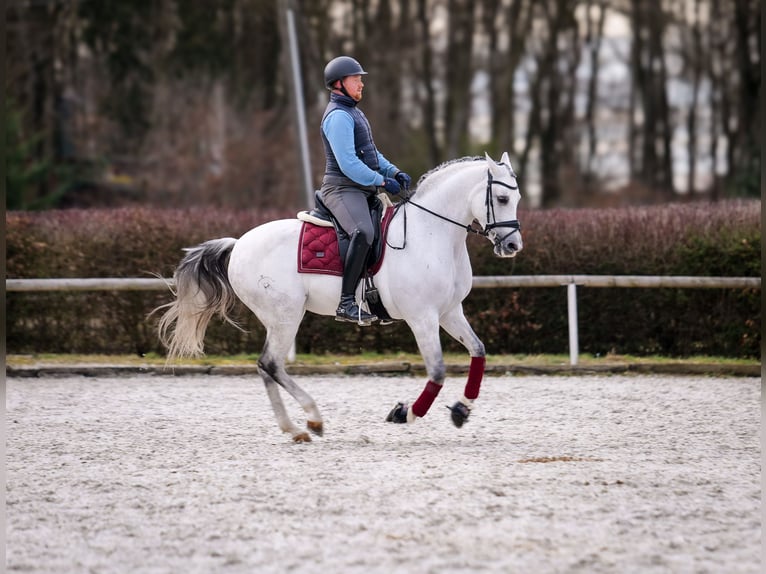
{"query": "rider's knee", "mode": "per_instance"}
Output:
(365, 235)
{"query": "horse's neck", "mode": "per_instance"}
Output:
(448, 193)
(446, 196)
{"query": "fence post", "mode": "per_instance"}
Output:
(574, 345)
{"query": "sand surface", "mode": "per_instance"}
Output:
(550, 474)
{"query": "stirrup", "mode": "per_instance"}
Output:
(355, 314)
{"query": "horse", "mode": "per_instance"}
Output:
(424, 277)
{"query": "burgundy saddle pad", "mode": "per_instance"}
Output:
(318, 250)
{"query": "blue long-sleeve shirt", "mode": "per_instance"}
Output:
(338, 127)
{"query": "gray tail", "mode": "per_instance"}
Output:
(202, 290)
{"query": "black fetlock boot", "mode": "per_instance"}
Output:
(356, 259)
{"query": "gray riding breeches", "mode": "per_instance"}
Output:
(349, 204)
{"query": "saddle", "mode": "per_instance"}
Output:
(322, 251)
(323, 245)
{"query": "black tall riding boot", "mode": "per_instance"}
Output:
(356, 259)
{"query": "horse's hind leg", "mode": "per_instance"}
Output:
(457, 326)
(271, 366)
(283, 419)
(272, 374)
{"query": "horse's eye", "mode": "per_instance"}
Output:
(503, 199)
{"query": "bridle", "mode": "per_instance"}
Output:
(489, 202)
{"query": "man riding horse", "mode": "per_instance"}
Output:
(354, 171)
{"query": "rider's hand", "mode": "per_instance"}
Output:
(404, 180)
(391, 186)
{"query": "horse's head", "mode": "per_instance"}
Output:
(496, 209)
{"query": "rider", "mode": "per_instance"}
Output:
(354, 170)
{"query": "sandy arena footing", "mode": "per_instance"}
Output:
(550, 474)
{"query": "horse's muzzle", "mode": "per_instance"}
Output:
(505, 251)
(508, 245)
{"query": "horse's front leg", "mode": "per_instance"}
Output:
(457, 326)
(426, 333)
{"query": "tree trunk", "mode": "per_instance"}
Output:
(427, 74)
(650, 80)
(459, 75)
(695, 55)
(594, 36)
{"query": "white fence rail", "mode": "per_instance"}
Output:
(105, 284)
(486, 282)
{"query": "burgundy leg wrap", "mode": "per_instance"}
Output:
(475, 374)
(425, 400)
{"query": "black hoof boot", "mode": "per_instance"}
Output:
(398, 414)
(459, 413)
(350, 312)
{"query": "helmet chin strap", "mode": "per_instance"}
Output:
(343, 89)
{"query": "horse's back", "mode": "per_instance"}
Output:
(263, 264)
(271, 240)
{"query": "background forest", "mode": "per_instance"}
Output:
(177, 103)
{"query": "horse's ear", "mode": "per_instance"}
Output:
(506, 160)
(490, 163)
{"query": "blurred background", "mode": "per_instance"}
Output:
(179, 103)
(634, 126)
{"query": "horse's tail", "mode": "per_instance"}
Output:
(202, 290)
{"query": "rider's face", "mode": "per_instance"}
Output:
(354, 86)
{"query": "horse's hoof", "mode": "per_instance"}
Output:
(316, 427)
(302, 437)
(459, 413)
(398, 414)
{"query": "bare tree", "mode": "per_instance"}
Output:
(746, 156)
(552, 95)
(194, 96)
(459, 74)
(593, 37)
(506, 25)
(428, 80)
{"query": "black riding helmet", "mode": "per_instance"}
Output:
(340, 67)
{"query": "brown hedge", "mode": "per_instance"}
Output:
(718, 239)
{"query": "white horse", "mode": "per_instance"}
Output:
(425, 275)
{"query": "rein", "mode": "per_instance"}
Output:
(512, 223)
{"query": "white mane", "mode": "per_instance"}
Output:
(442, 167)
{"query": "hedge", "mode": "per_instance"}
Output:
(705, 239)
